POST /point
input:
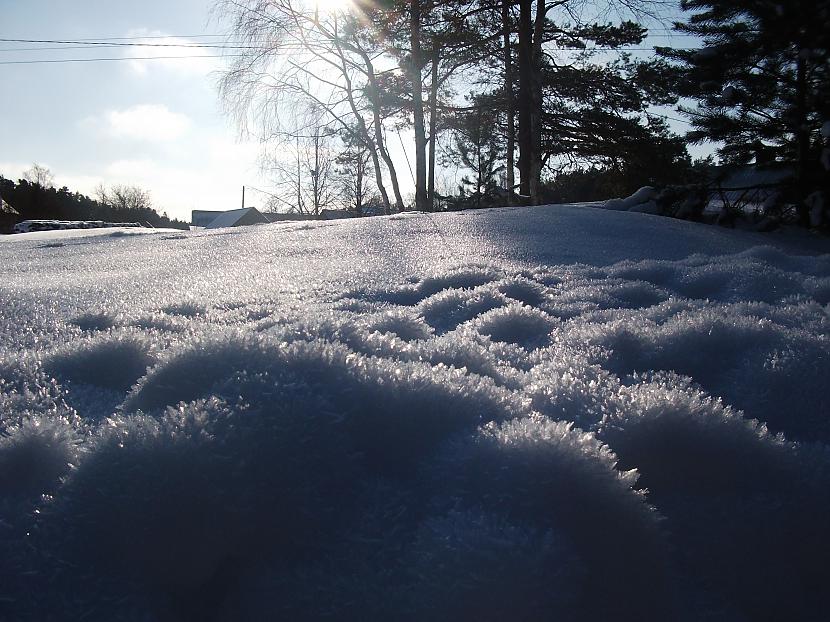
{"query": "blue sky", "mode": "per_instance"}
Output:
(156, 124)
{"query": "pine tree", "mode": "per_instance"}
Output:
(479, 147)
(597, 111)
(761, 81)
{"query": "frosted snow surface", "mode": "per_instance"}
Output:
(519, 414)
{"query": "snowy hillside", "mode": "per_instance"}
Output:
(558, 413)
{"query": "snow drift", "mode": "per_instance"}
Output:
(495, 415)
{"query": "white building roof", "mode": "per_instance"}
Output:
(5, 208)
(230, 218)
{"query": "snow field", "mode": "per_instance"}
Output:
(489, 440)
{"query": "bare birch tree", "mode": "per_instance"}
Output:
(292, 59)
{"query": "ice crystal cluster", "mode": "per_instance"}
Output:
(542, 414)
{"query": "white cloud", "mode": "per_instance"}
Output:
(13, 170)
(180, 186)
(147, 122)
(171, 53)
(85, 184)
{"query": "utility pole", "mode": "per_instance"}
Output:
(299, 181)
(243, 197)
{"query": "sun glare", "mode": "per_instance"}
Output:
(332, 6)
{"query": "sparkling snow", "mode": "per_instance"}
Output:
(516, 414)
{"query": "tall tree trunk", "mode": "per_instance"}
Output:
(479, 164)
(508, 99)
(373, 152)
(418, 107)
(358, 184)
(315, 174)
(524, 103)
(378, 130)
(384, 154)
(363, 130)
(433, 123)
(536, 105)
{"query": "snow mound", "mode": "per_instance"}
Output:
(757, 498)
(459, 278)
(520, 414)
(451, 307)
(94, 321)
(640, 201)
(579, 494)
(35, 454)
(110, 362)
(186, 309)
(517, 324)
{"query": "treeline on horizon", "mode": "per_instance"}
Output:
(34, 200)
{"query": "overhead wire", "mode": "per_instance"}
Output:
(81, 45)
(93, 43)
(150, 41)
(223, 56)
(107, 43)
(112, 58)
(221, 35)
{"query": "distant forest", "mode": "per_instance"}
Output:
(36, 200)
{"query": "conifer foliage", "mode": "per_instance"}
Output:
(761, 79)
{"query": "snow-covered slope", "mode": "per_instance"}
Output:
(520, 414)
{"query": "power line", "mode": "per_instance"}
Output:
(138, 37)
(225, 56)
(107, 46)
(221, 35)
(140, 42)
(118, 58)
(75, 45)
(150, 45)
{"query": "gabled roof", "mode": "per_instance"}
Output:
(748, 185)
(236, 217)
(5, 208)
(753, 176)
(203, 217)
